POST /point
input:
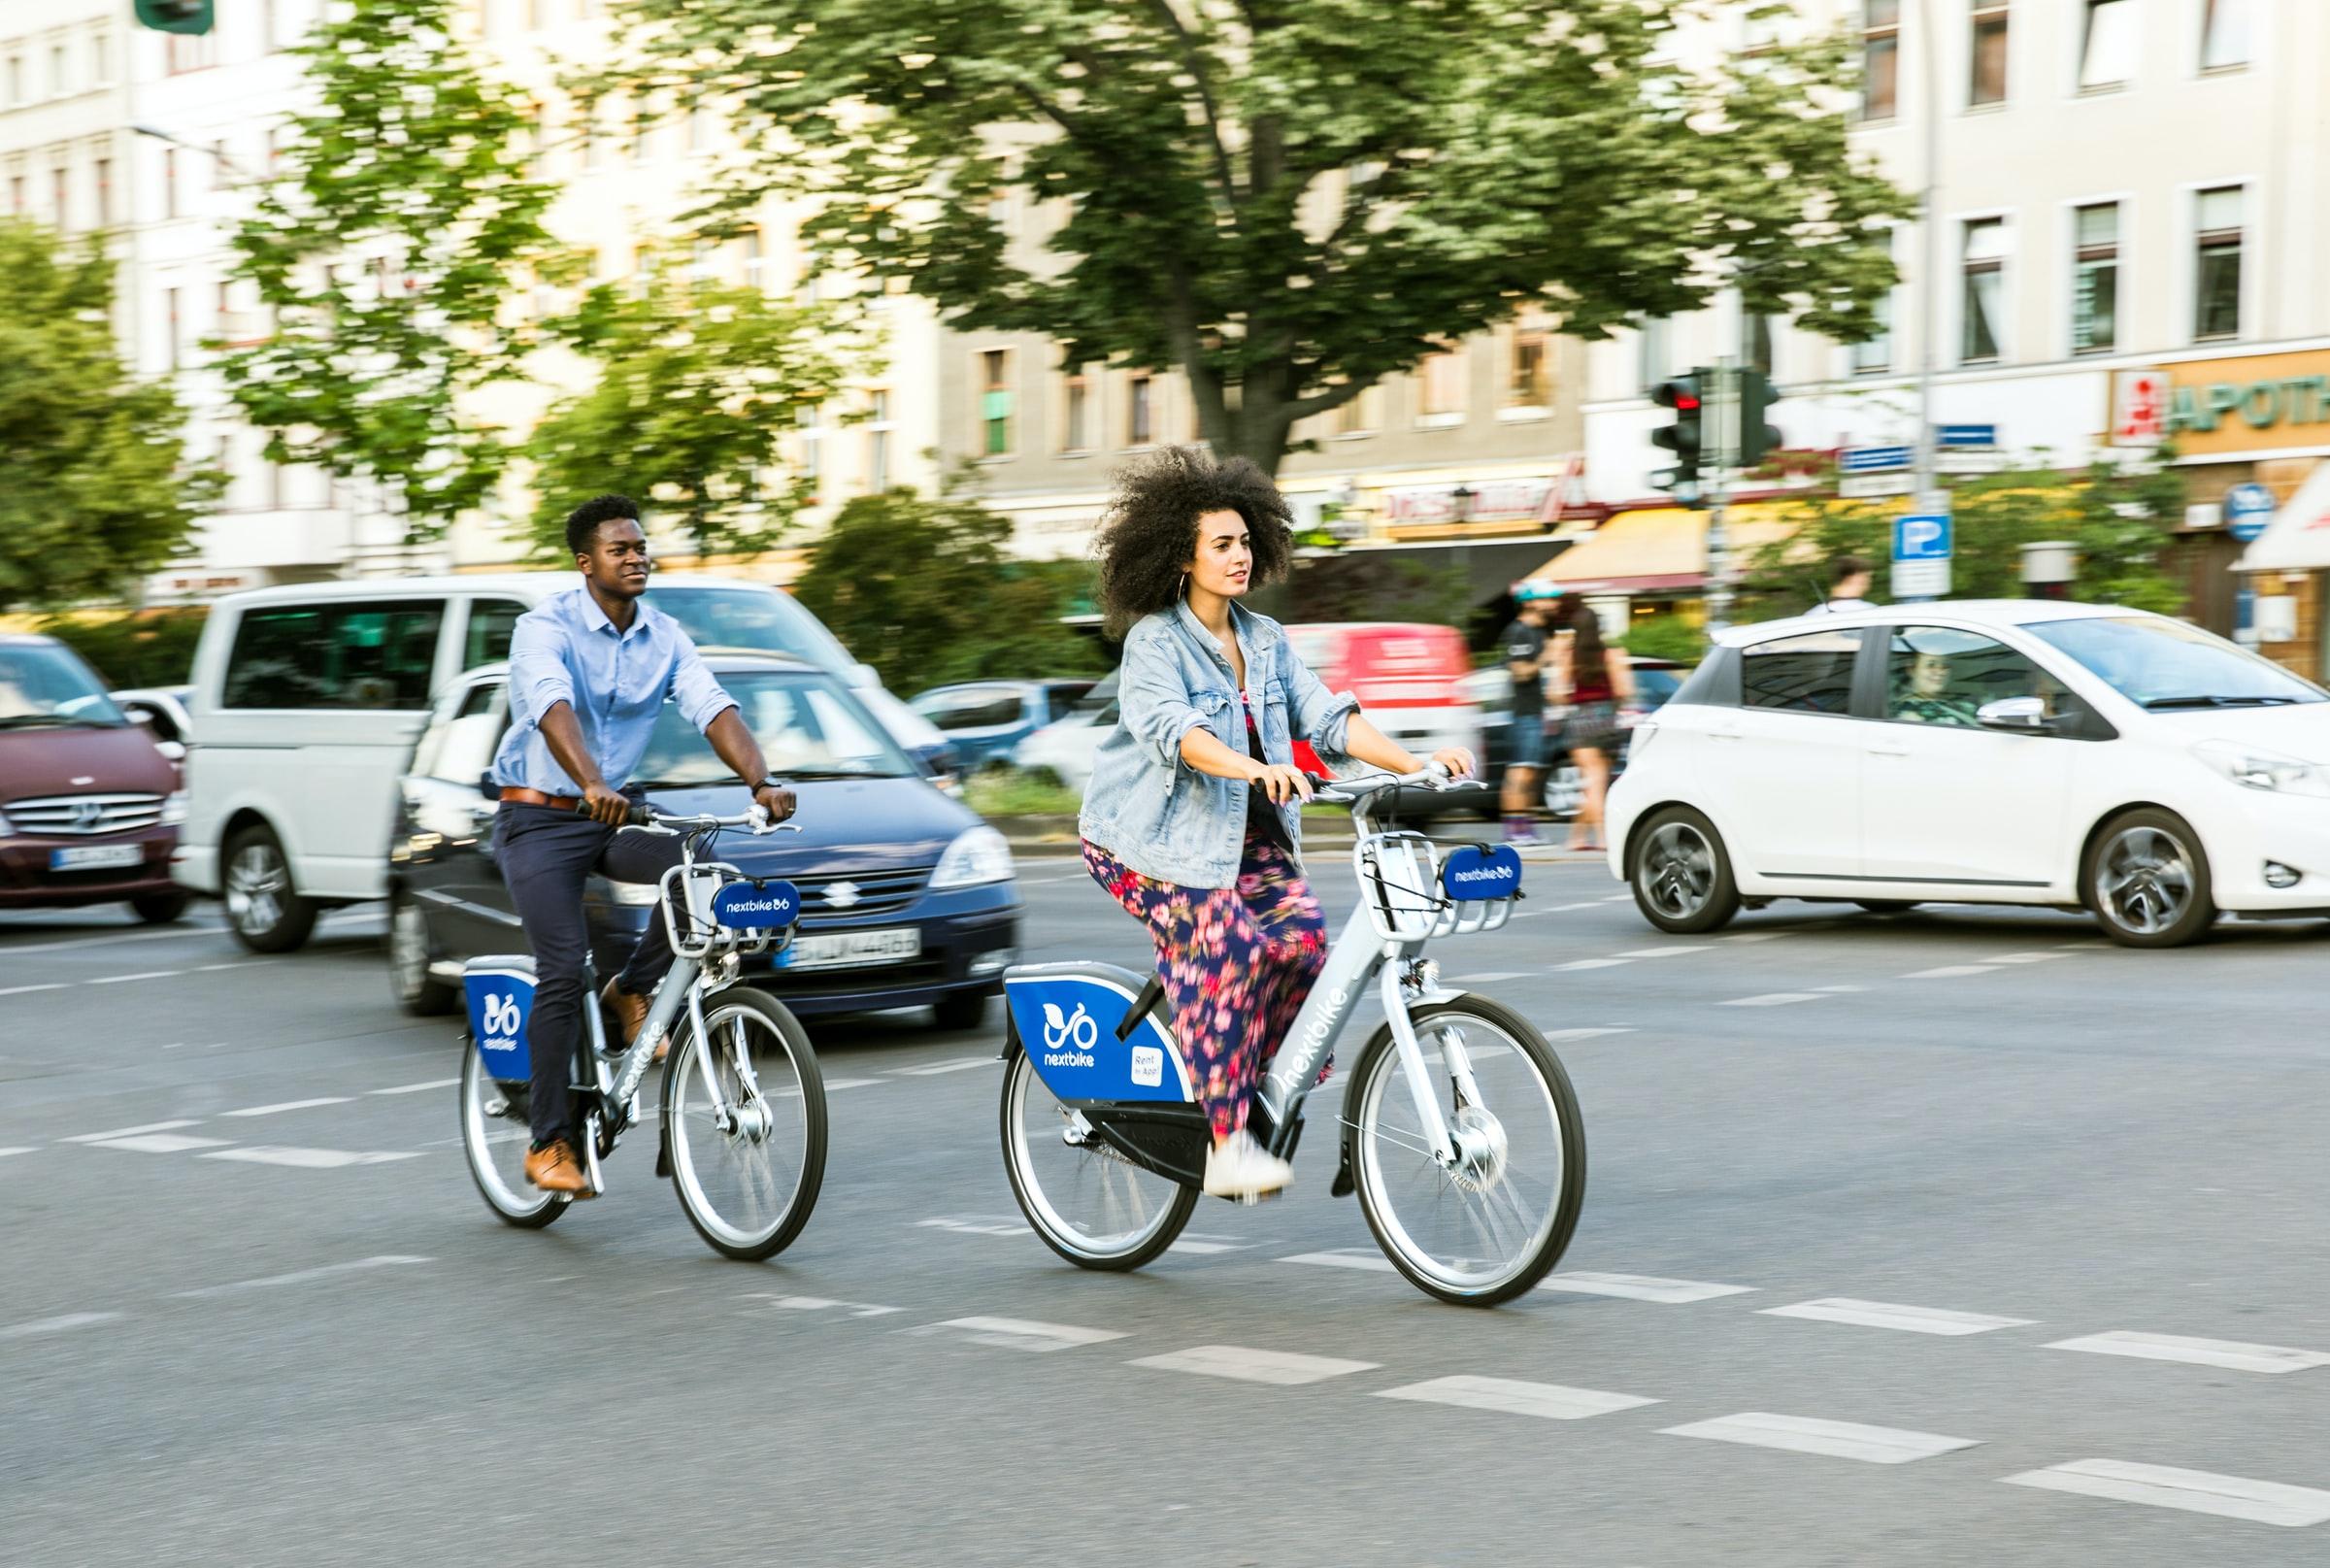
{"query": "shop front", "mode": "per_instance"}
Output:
(1649, 562)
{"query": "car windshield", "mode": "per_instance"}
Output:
(765, 620)
(42, 685)
(2166, 665)
(808, 728)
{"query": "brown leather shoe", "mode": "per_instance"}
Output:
(631, 1012)
(554, 1169)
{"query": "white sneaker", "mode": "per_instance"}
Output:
(1242, 1169)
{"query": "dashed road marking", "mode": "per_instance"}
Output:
(977, 1226)
(960, 1064)
(1755, 936)
(20, 991)
(21, 1148)
(1837, 1440)
(2024, 958)
(1020, 1333)
(180, 934)
(1587, 1034)
(1644, 1287)
(834, 1085)
(1346, 1257)
(2231, 1354)
(1203, 1244)
(159, 1143)
(1489, 976)
(1585, 963)
(63, 1324)
(416, 1088)
(1951, 971)
(1563, 909)
(1891, 1315)
(287, 1104)
(1548, 1400)
(2196, 1491)
(128, 1132)
(1666, 952)
(850, 1309)
(306, 1160)
(149, 973)
(1248, 1365)
(1773, 999)
(2089, 946)
(302, 1277)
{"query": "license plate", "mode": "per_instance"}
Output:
(96, 856)
(842, 949)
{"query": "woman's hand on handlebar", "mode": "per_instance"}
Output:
(604, 805)
(1284, 782)
(1457, 760)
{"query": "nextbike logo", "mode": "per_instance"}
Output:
(1473, 874)
(1297, 1065)
(1069, 1039)
(757, 906)
(503, 1016)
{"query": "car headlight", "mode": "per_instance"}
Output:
(980, 855)
(173, 810)
(2255, 768)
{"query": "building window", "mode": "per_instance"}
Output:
(15, 194)
(1529, 382)
(170, 182)
(811, 419)
(104, 193)
(1873, 355)
(101, 59)
(1076, 411)
(60, 199)
(2106, 45)
(594, 146)
(699, 128)
(757, 261)
(1140, 410)
(1760, 337)
(170, 318)
(2225, 35)
(1988, 81)
(2216, 270)
(1440, 388)
(60, 73)
(995, 403)
(1653, 350)
(1362, 415)
(2095, 279)
(16, 79)
(1981, 298)
(1880, 59)
(878, 440)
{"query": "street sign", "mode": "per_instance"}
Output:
(1969, 461)
(1965, 435)
(1921, 579)
(2249, 511)
(1873, 460)
(1922, 536)
(1868, 486)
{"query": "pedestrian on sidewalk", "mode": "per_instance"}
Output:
(1599, 682)
(1848, 580)
(1525, 645)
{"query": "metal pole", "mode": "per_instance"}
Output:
(1929, 264)
(1720, 419)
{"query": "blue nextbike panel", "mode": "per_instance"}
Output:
(1067, 1019)
(1476, 872)
(771, 906)
(501, 998)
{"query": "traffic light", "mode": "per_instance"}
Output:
(1757, 394)
(1685, 396)
(174, 16)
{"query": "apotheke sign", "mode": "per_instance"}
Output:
(2226, 406)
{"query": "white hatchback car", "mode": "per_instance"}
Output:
(2014, 751)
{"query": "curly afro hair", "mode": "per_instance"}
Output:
(1149, 531)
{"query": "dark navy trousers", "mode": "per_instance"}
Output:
(545, 855)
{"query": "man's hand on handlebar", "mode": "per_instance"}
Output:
(604, 805)
(777, 803)
(1284, 782)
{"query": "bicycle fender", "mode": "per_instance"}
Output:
(1067, 1016)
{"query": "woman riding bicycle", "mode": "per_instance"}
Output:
(1192, 819)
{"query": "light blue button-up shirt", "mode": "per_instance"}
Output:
(565, 650)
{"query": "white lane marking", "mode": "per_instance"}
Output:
(1839, 990)
(2089, 946)
(1892, 1315)
(2024, 958)
(303, 1275)
(127, 1132)
(58, 1325)
(21, 1148)
(2196, 1491)
(306, 1160)
(2231, 1354)
(977, 1226)
(1755, 936)
(1563, 909)
(1644, 1287)
(1666, 952)
(1047, 882)
(855, 1308)
(1248, 1365)
(1203, 1244)
(960, 1064)
(1550, 1400)
(1489, 976)
(238, 963)
(1346, 1257)
(1619, 898)
(1773, 999)
(833, 1085)
(286, 1105)
(1020, 1333)
(20, 990)
(1587, 1034)
(416, 1088)
(1587, 963)
(1950, 972)
(159, 1143)
(149, 973)
(1837, 1440)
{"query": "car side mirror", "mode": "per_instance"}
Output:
(174, 750)
(2021, 715)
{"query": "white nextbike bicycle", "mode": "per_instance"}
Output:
(1459, 1130)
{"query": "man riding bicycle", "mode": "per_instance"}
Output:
(589, 670)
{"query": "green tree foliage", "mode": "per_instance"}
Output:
(922, 591)
(98, 489)
(1370, 584)
(1665, 637)
(2122, 520)
(388, 248)
(698, 388)
(1288, 200)
(146, 648)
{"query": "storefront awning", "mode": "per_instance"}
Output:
(2298, 538)
(1658, 549)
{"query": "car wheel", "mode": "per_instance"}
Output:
(262, 909)
(1565, 792)
(1681, 874)
(2148, 881)
(410, 953)
(160, 909)
(1886, 906)
(964, 1010)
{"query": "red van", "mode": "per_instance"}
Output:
(88, 807)
(1406, 675)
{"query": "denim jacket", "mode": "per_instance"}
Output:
(1152, 809)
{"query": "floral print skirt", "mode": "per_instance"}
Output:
(1237, 963)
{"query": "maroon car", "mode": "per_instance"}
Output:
(88, 807)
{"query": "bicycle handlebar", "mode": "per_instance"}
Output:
(754, 821)
(1359, 791)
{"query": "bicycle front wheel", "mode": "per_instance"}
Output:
(494, 1139)
(1092, 1205)
(748, 1176)
(1491, 1227)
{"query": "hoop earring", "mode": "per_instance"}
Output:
(1182, 592)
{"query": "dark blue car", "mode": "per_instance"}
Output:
(908, 898)
(984, 719)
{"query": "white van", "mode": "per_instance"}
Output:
(307, 699)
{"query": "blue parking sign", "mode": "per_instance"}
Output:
(2249, 511)
(1922, 536)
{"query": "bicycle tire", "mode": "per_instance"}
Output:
(1105, 1253)
(514, 1202)
(750, 1245)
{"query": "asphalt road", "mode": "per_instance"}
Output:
(2039, 1221)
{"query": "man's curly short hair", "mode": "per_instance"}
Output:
(1149, 531)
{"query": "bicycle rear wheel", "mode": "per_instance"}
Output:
(1092, 1205)
(746, 1186)
(1491, 1228)
(494, 1138)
